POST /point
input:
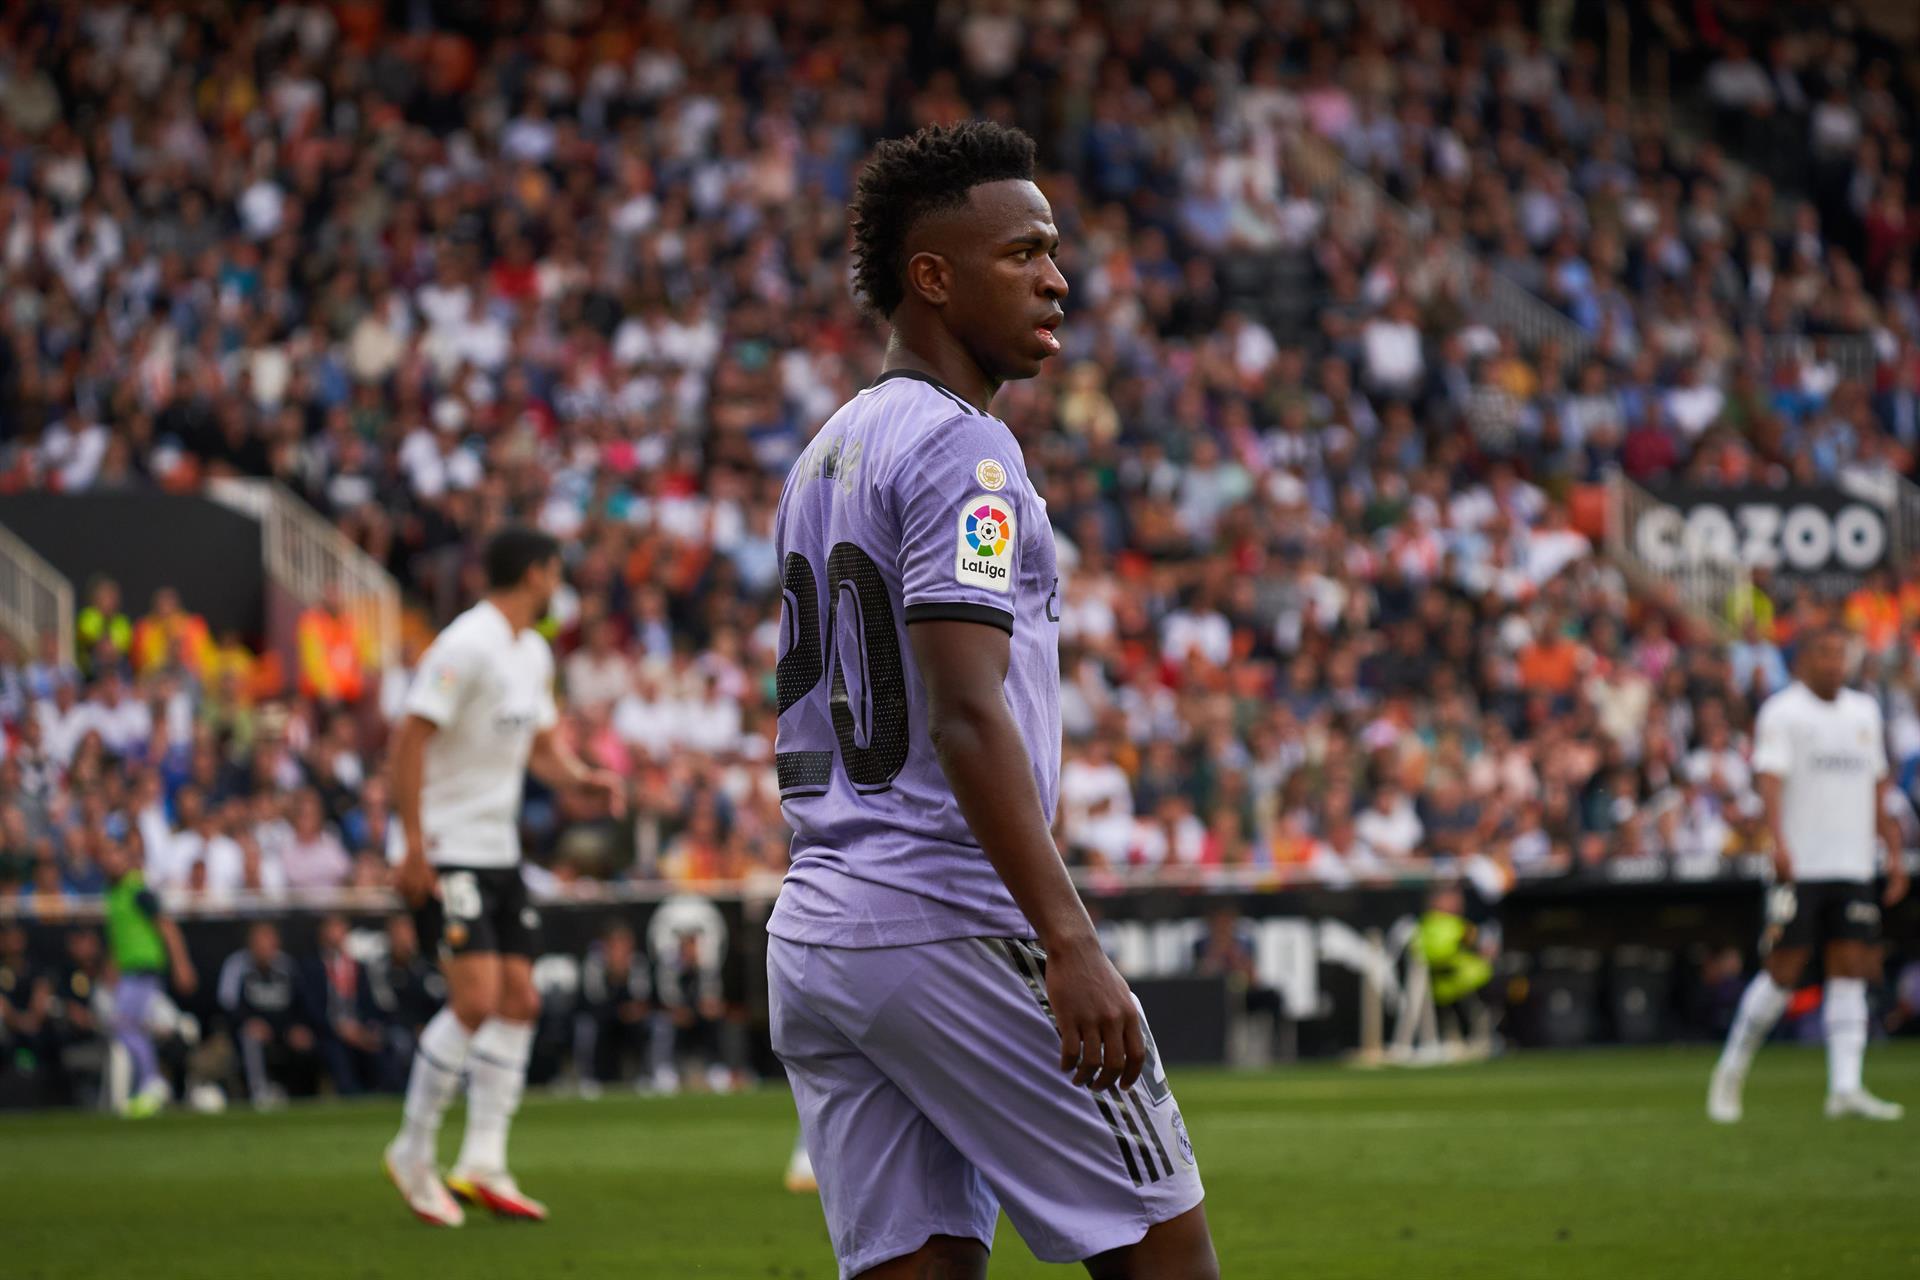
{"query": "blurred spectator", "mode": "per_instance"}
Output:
(407, 988)
(332, 661)
(260, 993)
(170, 637)
(697, 1022)
(74, 1028)
(339, 1000)
(615, 1022)
(26, 1001)
(1227, 952)
(598, 674)
(314, 858)
(101, 627)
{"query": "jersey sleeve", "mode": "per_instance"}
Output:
(440, 683)
(1772, 741)
(961, 510)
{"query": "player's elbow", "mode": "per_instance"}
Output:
(960, 725)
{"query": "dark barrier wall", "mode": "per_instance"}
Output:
(145, 541)
(1585, 961)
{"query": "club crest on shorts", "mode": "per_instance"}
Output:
(991, 475)
(456, 933)
(984, 556)
(1181, 1139)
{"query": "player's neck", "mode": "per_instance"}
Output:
(517, 610)
(1827, 695)
(927, 348)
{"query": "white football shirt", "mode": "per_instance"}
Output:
(1830, 757)
(489, 692)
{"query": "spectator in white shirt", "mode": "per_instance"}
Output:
(1095, 789)
(598, 674)
(1390, 344)
(200, 853)
(1197, 630)
(124, 722)
(1174, 836)
(1389, 824)
(1341, 857)
(1736, 82)
(1716, 764)
(64, 721)
(1694, 405)
(314, 858)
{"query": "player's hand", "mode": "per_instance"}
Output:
(414, 878)
(1896, 883)
(1782, 865)
(1100, 1039)
(611, 785)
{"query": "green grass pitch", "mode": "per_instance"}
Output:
(1597, 1164)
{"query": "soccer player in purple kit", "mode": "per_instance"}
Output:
(955, 1038)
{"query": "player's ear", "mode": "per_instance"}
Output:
(930, 276)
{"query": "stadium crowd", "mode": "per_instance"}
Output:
(1331, 604)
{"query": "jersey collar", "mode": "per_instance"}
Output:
(933, 382)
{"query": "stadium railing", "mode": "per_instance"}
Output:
(1505, 305)
(35, 598)
(1851, 354)
(306, 557)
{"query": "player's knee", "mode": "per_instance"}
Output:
(520, 1008)
(519, 1002)
(1197, 1264)
(1178, 1249)
(471, 1008)
(1786, 968)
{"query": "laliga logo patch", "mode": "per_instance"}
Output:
(991, 475)
(985, 554)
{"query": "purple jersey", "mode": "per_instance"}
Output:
(910, 505)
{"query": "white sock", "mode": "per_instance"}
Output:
(437, 1062)
(1846, 1007)
(498, 1067)
(1760, 1007)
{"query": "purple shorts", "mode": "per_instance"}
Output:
(930, 1094)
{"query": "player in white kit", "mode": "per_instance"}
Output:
(479, 714)
(1820, 758)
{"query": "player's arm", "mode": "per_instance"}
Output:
(1768, 785)
(415, 875)
(964, 667)
(1772, 761)
(184, 977)
(960, 613)
(1891, 839)
(554, 762)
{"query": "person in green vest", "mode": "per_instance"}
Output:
(1448, 942)
(146, 947)
(102, 622)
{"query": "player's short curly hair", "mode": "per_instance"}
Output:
(908, 178)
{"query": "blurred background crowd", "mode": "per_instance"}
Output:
(1326, 501)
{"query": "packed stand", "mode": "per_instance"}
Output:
(1331, 605)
